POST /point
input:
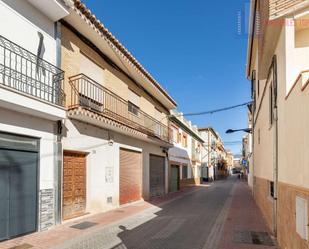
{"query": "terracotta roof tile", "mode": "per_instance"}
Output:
(92, 18)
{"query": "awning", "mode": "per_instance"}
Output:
(178, 155)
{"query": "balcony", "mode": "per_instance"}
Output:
(24, 72)
(90, 95)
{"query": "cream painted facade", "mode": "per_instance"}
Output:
(214, 153)
(75, 54)
(230, 161)
(105, 115)
(186, 151)
(280, 123)
(111, 108)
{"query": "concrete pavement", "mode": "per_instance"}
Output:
(220, 216)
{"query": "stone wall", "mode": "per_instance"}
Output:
(46, 212)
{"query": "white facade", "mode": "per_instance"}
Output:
(209, 155)
(102, 166)
(183, 153)
(33, 112)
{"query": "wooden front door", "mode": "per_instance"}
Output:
(74, 184)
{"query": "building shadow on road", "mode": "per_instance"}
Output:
(182, 222)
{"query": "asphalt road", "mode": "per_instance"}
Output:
(192, 222)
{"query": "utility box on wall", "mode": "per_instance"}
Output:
(302, 217)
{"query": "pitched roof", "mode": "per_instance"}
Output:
(78, 5)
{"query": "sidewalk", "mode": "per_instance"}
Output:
(244, 223)
(239, 224)
(64, 232)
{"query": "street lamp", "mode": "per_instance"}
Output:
(248, 130)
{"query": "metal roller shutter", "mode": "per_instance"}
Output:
(130, 176)
(18, 185)
(157, 175)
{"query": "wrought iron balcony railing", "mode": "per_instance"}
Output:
(89, 94)
(29, 74)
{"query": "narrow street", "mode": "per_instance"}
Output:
(154, 124)
(215, 216)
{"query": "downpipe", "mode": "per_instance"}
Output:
(276, 154)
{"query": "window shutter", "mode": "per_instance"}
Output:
(158, 115)
(91, 69)
(134, 98)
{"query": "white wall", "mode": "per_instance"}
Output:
(297, 52)
(102, 158)
(20, 22)
(18, 123)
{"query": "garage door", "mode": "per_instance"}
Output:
(174, 184)
(18, 191)
(157, 175)
(130, 176)
(74, 184)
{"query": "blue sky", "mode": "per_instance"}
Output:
(192, 48)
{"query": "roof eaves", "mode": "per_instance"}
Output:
(186, 128)
(82, 8)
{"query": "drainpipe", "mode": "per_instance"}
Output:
(167, 168)
(253, 154)
(275, 206)
(58, 43)
(58, 144)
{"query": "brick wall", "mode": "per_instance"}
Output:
(287, 236)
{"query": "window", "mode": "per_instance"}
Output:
(175, 134)
(184, 171)
(184, 140)
(198, 149)
(302, 217)
(253, 86)
(91, 68)
(158, 117)
(179, 138)
(133, 103)
(271, 105)
(258, 87)
(259, 136)
(133, 108)
(271, 189)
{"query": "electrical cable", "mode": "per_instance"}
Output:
(215, 111)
